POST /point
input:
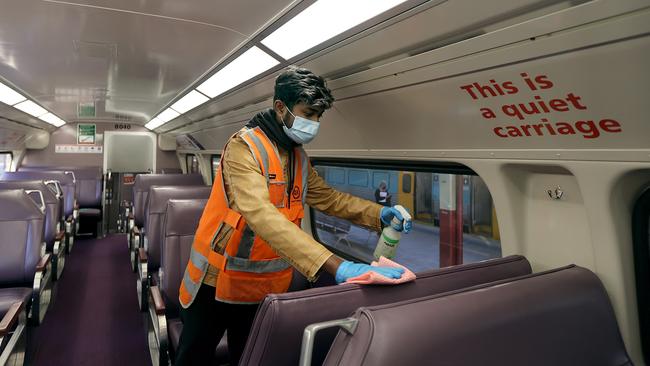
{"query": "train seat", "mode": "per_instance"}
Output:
(149, 258)
(53, 235)
(66, 182)
(25, 270)
(278, 327)
(180, 223)
(88, 189)
(140, 195)
(558, 317)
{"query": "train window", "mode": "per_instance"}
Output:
(453, 218)
(214, 163)
(192, 162)
(5, 162)
(641, 238)
(358, 178)
(335, 176)
(406, 183)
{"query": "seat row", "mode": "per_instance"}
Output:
(38, 223)
(496, 311)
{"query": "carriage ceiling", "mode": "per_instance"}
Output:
(129, 57)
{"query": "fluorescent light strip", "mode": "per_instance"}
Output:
(32, 108)
(321, 21)
(52, 119)
(9, 96)
(189, 101)
(248, 65)
(154, 123)
(168, 115)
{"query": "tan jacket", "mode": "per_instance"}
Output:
(248, 195)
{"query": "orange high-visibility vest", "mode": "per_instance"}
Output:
(249, 268)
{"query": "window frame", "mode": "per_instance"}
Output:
(188, 163)
(212, 159)
(11, 157)
(395, 165)
(641, 250)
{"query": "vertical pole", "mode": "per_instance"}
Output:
(451, 220)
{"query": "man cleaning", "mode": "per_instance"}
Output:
(249, 235)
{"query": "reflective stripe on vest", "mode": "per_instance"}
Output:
(259, 269)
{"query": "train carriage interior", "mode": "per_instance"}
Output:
(515, 134)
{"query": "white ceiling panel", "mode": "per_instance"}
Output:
(130, 57)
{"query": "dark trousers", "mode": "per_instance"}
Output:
(205, 322)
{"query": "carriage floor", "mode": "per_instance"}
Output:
(95, 319)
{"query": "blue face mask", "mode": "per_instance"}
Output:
(302, 131)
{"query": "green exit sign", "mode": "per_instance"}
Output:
(86, 110)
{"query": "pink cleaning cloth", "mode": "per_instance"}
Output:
(374, 278)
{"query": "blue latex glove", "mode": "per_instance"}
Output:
(349, 269)
(387, 214)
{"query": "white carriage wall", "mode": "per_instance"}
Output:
(67, 134)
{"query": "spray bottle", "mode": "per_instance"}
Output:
(389, 238)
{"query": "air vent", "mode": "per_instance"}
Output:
(122, 117)
(107, 51)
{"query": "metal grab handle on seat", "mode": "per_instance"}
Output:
(40, 194)
(349, 325)
(74, 179)
(55, 183)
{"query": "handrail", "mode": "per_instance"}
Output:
(349, 325)
(40, 194)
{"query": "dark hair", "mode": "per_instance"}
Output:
(295, 85)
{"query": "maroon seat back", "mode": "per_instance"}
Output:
(64, 178)
(276, 334)
(52, 204)
(88, 187)
(21, 230)
(180, 223)
(144, 181)
(159, 196)
(561, 317)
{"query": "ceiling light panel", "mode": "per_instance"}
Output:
(52, 119)
(154, 123)
(321, 21)
(168, 115)
(32, 108)
(248, 65)
(190, 101)
(9, 96)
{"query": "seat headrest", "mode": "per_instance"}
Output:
(63, 178)
(144, 181)
(81, 172)
(159, 195)
(17, 205)
(183, 216)
(38, 185)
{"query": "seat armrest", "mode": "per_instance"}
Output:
(143, 255)
(60, 235)
(42, 264)
(69, 219)
(158, 301)
(10, 318)
(136, 230)
(131, 217)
